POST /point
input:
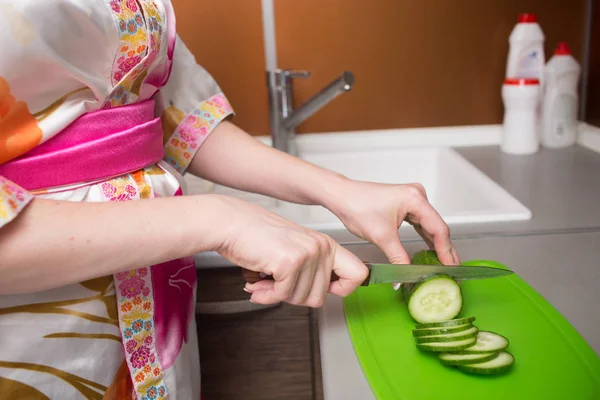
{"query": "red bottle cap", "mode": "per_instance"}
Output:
(562, 49)
(521, 81)
(527, 18)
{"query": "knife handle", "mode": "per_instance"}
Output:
(253, 276)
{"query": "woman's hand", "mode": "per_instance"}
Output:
(299, 260)
(375, 211)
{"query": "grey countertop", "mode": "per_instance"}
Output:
(556, 251)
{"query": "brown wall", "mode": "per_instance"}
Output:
(227, 39)
(416, 62)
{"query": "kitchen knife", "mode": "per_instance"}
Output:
(393, 273)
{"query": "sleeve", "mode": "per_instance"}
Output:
(13, 199)
(193, 105)
(19, 132)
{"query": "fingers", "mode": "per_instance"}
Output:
(318, 274)
(274, 291)
(436, 233)
(301, 278)
(455, 256)
(303, 285)
(389, 243)
(427, 238)
(351, 272)
(319, 288)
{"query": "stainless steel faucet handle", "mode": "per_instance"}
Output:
(293, 73)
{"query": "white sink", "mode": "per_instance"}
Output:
(459, 191)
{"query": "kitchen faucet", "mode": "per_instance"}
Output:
(283, 118)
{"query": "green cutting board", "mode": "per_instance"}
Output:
(552, 361)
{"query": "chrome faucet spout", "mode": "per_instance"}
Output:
(342, 84)
(283, 118)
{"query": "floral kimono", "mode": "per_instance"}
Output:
(100, 101)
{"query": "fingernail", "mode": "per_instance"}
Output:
(247, 291)
(396, 286)
(250, 300)
(262, 275)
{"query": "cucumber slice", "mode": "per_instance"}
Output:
(447, 346)
(434, 299)
(487, 342)
(462, 359)
(499, 364)
(451, 337)
(446, 324)
(441, 331)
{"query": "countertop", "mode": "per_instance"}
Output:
(556, 251)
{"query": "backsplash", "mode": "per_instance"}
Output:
(417, 63)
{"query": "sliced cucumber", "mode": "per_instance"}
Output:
(446, 324)
(441, 331)
(447, 346)
(499, 364)
(451, 337)
(487, 342)
(462, 359)
(434, 299)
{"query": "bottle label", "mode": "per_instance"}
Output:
(565, 114)
(529, 66)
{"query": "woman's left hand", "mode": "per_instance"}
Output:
(375, 211)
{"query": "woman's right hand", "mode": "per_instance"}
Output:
(300, 260)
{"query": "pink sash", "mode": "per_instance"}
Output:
(98, 145)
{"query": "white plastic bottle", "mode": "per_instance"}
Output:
(521, 97)
(561, 100)
(526, 50)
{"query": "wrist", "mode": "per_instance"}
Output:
(330, 192)
(208, 221)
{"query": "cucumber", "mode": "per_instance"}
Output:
(434, 299)
(487, 342)
(446, 324)
(441, 331)
(461, 359)
(427, 257)
(499, 364)
(451, 337)
(447, 346)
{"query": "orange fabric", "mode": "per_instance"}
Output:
(19, 130)
(122, 387)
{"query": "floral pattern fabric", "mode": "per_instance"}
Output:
(13, 199)
(131, 335)
(191, 133)
(140, 28)
(135, 311)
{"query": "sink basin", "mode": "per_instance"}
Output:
(459, 191)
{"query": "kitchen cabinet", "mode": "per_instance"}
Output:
(261, 355)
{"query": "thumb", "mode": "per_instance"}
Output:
(350, 270)
(392, 248)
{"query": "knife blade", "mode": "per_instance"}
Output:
(406, 273)
(392, 273)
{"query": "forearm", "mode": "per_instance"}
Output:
(232, 158)
(55, 243)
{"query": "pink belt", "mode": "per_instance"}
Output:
(97, 145)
